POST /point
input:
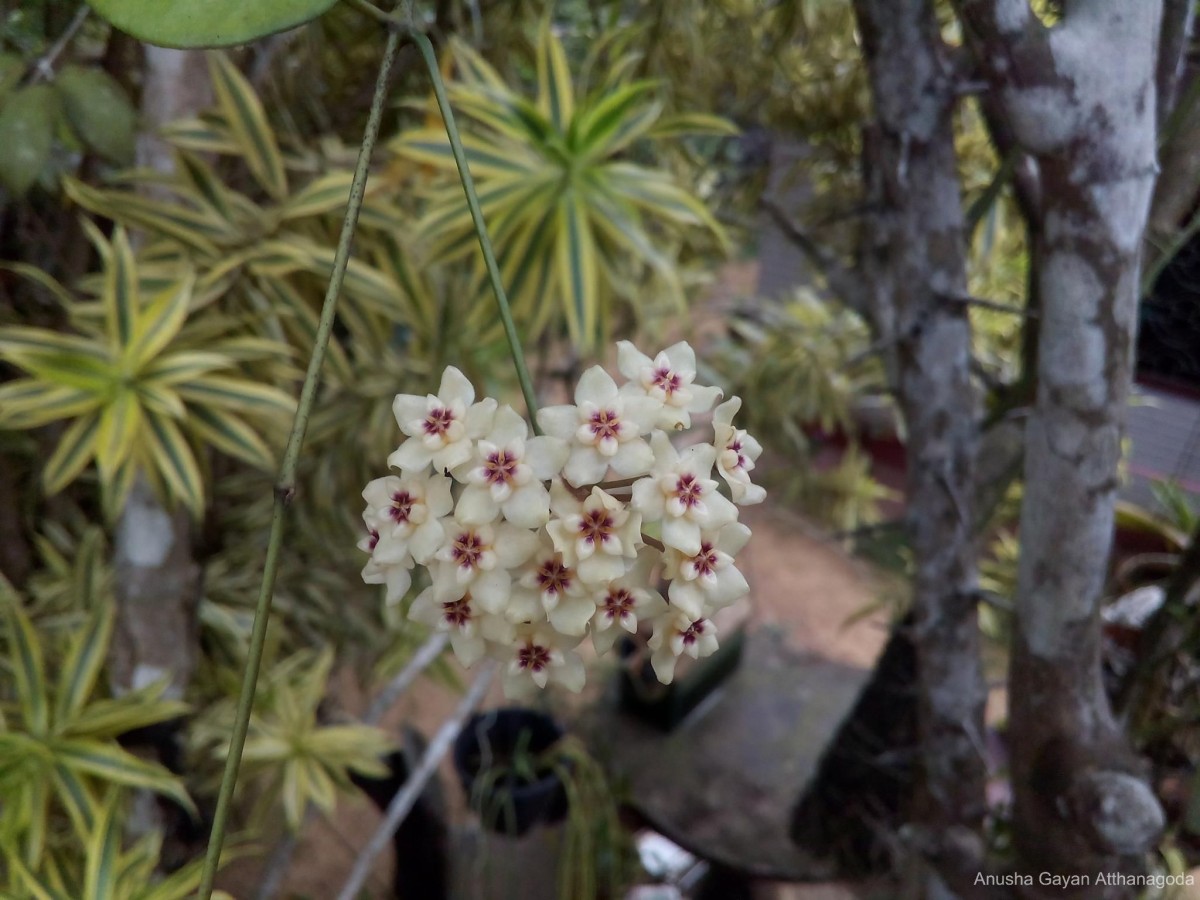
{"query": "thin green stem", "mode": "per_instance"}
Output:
(286, 485)
(485, 244)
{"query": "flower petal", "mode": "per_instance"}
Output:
(633, 458)
(411, 456)
(476, 506)
(595, 386)
(456, 386)
(528, 506)
(559, 421)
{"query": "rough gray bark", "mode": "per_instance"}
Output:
(158, 582)
(1179, 179)
(912, 263)
(1081, 98)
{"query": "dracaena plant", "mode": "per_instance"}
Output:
(106, 870)
(58, 733)
(141, 386)
(293, 756)
(577, 222)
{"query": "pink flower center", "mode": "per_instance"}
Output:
(402, 504)
(553, 577)
(618, 603)
(694, 631)
(500, 467)
(596, 526)
(533, 657)
(457, 612)
(736, 447)
(689, 490)
(605, 423)
(438, 421)
(372, 540)
(705, 562)
(666, 379)
(467, 548)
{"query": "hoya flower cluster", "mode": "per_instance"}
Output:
(534, 544)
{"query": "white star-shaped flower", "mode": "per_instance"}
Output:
(736, 453)
(707, 580)
(508, 473)
(408, 509)
(550, 589)
(537, 656)
(681, 495)
(602, 429)
(597, 536)
(669, 379)
(676, 634)
(624, 601)
(440, 429)
(390, 564)
(478, 558)
(471, 628)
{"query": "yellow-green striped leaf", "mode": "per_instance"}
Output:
(30, 882)
(28, 403)
(112, 764)
(161, 399)
(238, 394)
(201, 135)
(182, 366)
(248, 123)
(682, 124)
(85, 659)
(75, 450)
(33, 273)
(430, 147)
(617, 121)
(576, 253)
(103, 847)
(73, 794)
(120, 424)
(231, 435)
(172, 458)
(329, 193)
(28, 669)
(119, 298)
(556, 93)
(159, 324)
(108, 718)
(193, 227)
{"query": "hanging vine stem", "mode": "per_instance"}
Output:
(285, 487)
(398, 26)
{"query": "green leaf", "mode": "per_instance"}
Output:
(64, 359)
(231, 435)
(577, 271)
(75, 450)
(193, 226)
(29, 402)
(28, 669)
(120, 425)
(27, 135)
(103, 847)
(213, 23)
(33, 273)
(85, 659)
(692, 123)
(99, 111)
(248, 122)
(556, 93)
(159, 324)
(329, 193)
(120, 293)
(114, 765)
(174, 368)
(12, 67)
(617, 120)
(168, 450)
(108, 718)
(237, 393)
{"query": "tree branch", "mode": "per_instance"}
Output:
(844, 283)
(1174, 37)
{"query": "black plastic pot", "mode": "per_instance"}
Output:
(491, 755)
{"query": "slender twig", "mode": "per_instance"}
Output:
(844, 283)
(485, 244)
(422, 660)
(967, 300)
(43, 69)
(403, 802)
(285, 487)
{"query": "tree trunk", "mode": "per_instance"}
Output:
(1081, 98)
(913, 269)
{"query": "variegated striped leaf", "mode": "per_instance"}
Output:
(75, 450)
(243, 113)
